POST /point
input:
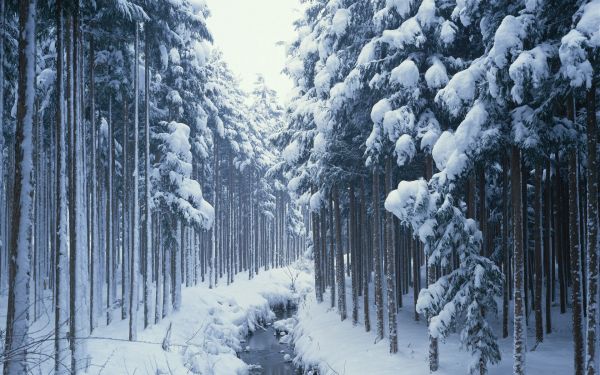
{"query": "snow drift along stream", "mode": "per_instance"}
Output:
(207, 333)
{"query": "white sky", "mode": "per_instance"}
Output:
(247, 32)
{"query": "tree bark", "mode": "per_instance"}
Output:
(389, 266)
(61, 316)
(377, 254)
(339, 257)
(537, 237)
(592, 229)
(135, 250)
(17, 323)
(519, 334)
(575, 253)
(365, 255)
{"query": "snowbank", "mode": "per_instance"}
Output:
(325, 343)
(205, 335)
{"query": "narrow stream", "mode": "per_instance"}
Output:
(265, 354)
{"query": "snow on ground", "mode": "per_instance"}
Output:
(322, 341)
(205, 333)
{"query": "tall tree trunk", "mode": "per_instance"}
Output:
(147, 233)
(389, 266)
(505, 244)
(365, 256)
(416, 273)
(110, 251)
(592, 229)
(331, 257)
(377, 254)
(125, 204)
(3, 176)
(548, 264)
(559, 236)
(537, 237)
(61, 313)
(78, 210)
(353, 237)
(135, 250)
(575, 253)
(95, 251)
(17, 322)
(316, 255)
(519, 334)
(339, 257)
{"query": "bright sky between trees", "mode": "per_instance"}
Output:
(248, 32)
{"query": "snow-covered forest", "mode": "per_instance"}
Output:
(425, 200)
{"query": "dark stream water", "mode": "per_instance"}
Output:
(264, 352)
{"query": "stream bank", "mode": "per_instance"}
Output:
(269, 350)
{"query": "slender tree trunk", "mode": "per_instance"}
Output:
(560, 240)
(135, 250)
(317, 255)
(339, 257)
(575, 253)
(147, 189)
(548, 264)
(365, 256)
(519, 334)
(505, 244)
(61, 313)
(125, 204)
(17, 323)
(592, 230)
(416, 273)
(110, 251)
(377, 255)
(331, 256)
(95, 251)
(389, 266)
(537, 237)
(158, 267)
(352, 237)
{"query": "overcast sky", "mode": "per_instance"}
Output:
(247, 32)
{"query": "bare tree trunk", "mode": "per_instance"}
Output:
(147, 233)
(317, 256)
(110, 235)
(365, 256)
(416, 273)
(519, 334)
(592, 230)
(537, 237)
(560, 240)
(339, 257)
(575, 252)
(61, 314)
(135, 250)
(389, 266)
(17, 322)
(548, 264)
(377, 255)
(95, 250)
(353, 236)
(505, 244)
(331, 256)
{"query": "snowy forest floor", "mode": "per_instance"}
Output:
(335, 347)
(206, 335)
